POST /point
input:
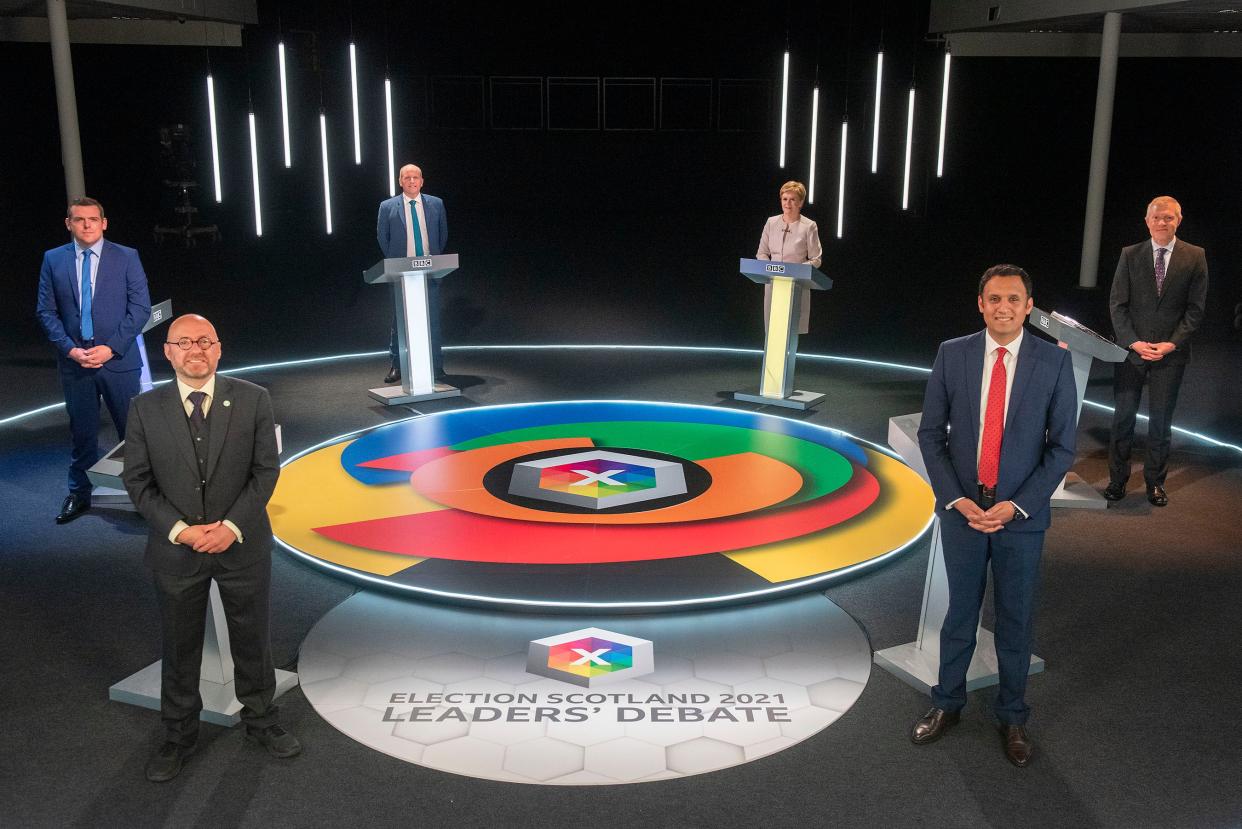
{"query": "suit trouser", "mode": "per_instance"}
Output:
(183, 600)
(1014, 558)
(1164, 380)
(83, 388)
(433, 331)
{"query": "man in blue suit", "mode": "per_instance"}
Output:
(93, 304)
(997, 436)
(425, 213)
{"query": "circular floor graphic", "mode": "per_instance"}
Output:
(576, 700)
(598, 504)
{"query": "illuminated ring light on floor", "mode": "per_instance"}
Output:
(687, 349)
(720, 505)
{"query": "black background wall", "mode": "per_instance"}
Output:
(618, 236)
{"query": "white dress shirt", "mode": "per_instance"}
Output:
(422, 224)
(77, 267)
(1168, 251)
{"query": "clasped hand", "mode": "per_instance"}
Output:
(1152, 351)
(91, 357)
(207, 538)
(988, 521)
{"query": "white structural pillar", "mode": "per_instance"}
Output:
(66, 100)
(1094, 219)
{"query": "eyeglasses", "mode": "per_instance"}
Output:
(185, 342)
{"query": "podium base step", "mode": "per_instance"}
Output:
(796, 400)
(220, 705)
(397, 396)
(107, 496)
(920, 669)
(1076, 493)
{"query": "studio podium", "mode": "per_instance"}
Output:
(781, 345)
(1084, 346)
(917, 663)
(409, 277)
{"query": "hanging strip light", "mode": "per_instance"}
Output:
(905, 183)
(875, 126)
(845, 132)
(784, 105)
(392, 172)
(284, 104)
(327, 185)
(944, 114)
(215, 139)
(254, 177)
(353, 88)
(814, 141)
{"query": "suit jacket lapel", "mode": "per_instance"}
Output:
(68, 262)
(1023, 368)
(178, 425)
(221, 410)
(974, 382)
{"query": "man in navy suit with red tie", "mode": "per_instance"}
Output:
(997, 436)
(1157, 302)
(93, 304)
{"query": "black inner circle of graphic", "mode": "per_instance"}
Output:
(496, 481)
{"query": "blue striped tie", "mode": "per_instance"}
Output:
(88, 323)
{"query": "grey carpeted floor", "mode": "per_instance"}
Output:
(1136, 718)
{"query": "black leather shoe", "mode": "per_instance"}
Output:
(1115, 491)
(1157, 496)
(933, 725)
(74, 506)
(1018, 746)
(277, 741)
(167, 762)
(394, 374)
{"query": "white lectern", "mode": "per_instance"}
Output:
(1084, 346)
(917, 663)
(781, 343)
(409, 292)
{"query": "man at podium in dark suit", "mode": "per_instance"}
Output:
(424, 213)
(1157, 302)
(93, 304)
(997, 436)
(200, 466)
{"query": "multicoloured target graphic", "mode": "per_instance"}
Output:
(598, 504)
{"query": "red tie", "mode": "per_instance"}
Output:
(993, 424)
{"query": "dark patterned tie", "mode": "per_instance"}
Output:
(1160, 252)
(197, 418)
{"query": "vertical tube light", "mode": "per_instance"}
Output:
(392, 173)
(784, 105)
(875, 126)
(215, 139)
(905, 182)
(327, 185)
(814, 141)
(944, 114)
(284, 104)
(845, 132)
(353, 88)
(254, 177)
